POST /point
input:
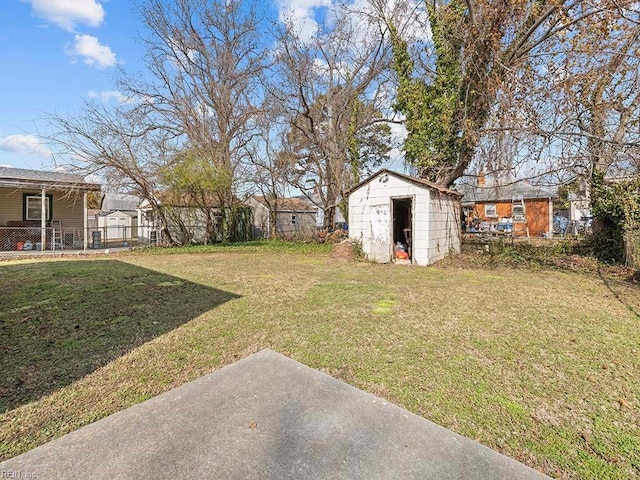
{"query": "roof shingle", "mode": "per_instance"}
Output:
(37, 177)
(473, 193)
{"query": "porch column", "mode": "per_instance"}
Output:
(43, 220)
(85, 221)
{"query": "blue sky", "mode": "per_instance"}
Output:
(57, 53)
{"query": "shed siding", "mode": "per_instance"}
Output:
(444, 226)
(304, 228)
(375, 193)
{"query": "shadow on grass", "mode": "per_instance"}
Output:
(629, 283)
(60, 321)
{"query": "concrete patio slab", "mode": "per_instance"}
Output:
(264, 417)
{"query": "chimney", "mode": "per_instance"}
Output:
(481, 178)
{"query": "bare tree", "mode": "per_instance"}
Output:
(206, 59)
(125, 151)
(329, 89)
(190, 118)
(269, 176)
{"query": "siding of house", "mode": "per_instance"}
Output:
(10, 205)
(68, 209)
(260, 219)
(538, 213)
(503, 209)
(375, 196)
(305, 225)
(194, 221)
(445, 227)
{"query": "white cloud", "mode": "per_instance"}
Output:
(301, 13)
(69, 13)
(90, 49)
(24, 144)
(304, 15)
(107, 96)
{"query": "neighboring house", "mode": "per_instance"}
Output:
(518, 208)
(391, 213)
(579, 206)
(314, 200)
(189, 222)
(149, 224)
(580, 200)
(295, 218)
(33, 203)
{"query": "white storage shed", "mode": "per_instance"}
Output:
(392, 213)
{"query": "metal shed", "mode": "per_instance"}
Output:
(392, 213)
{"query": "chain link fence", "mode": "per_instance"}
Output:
(25, 239)
(37, 239)
(122, 237)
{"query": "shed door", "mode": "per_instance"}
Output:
(112, 228)
(380, 219)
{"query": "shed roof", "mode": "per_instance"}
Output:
(473, 193)
(114, 213)
(416, 181)
(119, 201)
(23, 178)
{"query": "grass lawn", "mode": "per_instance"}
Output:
(540, 364)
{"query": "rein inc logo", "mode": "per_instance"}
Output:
(17, 474)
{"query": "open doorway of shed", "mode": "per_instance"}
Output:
(402, 230)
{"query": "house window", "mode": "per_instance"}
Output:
(518, 213)
(32, 207)
(490, 210)
(293, 220)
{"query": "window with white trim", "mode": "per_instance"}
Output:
(293, 220)
(33, 207)
(518, 213)
(490, 210)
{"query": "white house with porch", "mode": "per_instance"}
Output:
(42, 210)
